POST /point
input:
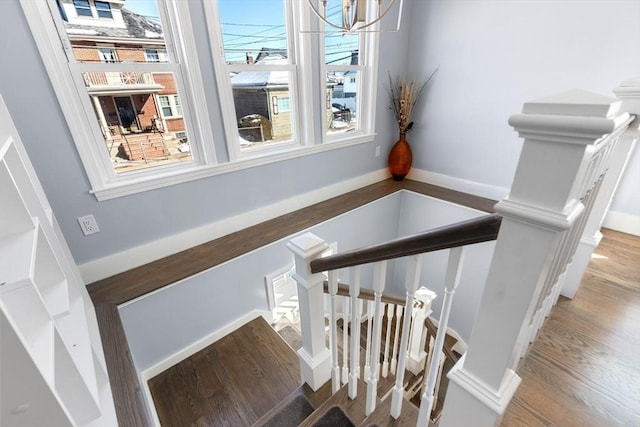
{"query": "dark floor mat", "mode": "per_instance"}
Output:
(290, 415)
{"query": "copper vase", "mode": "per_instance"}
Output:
(400, 158)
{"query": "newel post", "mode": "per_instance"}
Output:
(559, 134)
(315, 358)
(629, 93)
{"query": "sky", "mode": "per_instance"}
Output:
(249, 25)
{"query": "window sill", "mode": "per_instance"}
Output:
(171, 177)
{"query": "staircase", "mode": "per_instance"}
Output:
(138, 146)
(251, 377)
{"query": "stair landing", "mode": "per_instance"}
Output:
(233, 382)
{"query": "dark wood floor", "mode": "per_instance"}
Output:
(232, 382)
(584, 368)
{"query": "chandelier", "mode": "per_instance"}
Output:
(352, 15)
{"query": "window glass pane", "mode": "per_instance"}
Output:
(82, 8)
(253, 30)
(341, 49)
(260, 122)
(136, 24)
(140, 124)
(104, 9)
(342, 101)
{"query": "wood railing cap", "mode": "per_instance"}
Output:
(476, 230)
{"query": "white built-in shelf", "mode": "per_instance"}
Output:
(30, 319)
(49, 335)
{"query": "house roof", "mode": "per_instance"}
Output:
(263, 78)
(136, 26)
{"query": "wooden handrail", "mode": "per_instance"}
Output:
(367, 294)
(476, 230)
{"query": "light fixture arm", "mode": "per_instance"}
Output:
(352, 26)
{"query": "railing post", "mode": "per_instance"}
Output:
(315, 358)
(560, 133)
(629, 93)
(421, 310)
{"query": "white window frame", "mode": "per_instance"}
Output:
(88, 7)
(366, 83)
(66, 78)
(174, 106)
(309, 117)
(296, 67)
(98, 9)
(161, 54)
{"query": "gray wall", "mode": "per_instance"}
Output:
(495, 55)
(136, 219)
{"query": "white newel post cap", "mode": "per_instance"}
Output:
(558, 131)
(306, 248)
(629, 94)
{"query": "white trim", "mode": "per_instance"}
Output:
(66, 79)
(459, 184)
(622, 221)
(193, 348)
(496, 400)
(122, 261)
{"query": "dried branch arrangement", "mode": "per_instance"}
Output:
(404, 95)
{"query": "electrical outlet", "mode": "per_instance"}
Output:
(88, 225)
(377, 151)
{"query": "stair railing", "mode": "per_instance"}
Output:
(339, 296)
(568, 139)
(318, 364)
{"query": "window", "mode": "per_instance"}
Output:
(264, 69)
(107, 54)
(104, 9)
(170, 106)
(113, 95)
(259, 66)
(156, 55)
(283, 104)
(83, 8)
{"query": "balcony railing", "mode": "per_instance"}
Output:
(117, 81)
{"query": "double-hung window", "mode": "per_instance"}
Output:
(127, 113)
(258, 63)
(277, 95)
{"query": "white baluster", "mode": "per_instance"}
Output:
(387, 341)
(411, 284)
(452, 279)
(345, 340)
(394, 358)
(354, 292)
(333, 332)
(379, 276)
(367, 353)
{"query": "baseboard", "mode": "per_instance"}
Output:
(624, 222)
(458, 184)
(101, 268)
(619, 221)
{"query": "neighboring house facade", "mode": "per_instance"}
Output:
(126, 102)
(265, 93)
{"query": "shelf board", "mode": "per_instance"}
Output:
(28, 316)
(14, 216)
(17, 256)
(79, 400)
(72, 329)
(49, 277)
